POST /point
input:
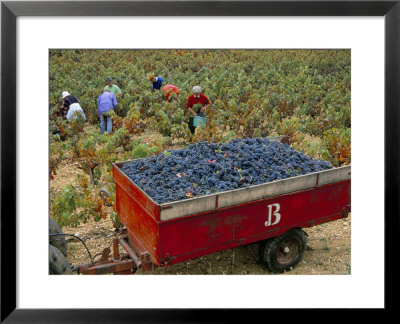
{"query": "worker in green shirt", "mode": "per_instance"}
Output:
(112, 87)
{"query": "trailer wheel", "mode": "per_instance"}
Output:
(58, 264)
(57, 241)
(283, 252)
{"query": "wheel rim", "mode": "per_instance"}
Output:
(288, 251)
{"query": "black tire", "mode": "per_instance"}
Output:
(58, 241)
(58, 264)
(283, 252)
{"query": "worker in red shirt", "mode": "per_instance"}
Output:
(197, 98)
(168, 89)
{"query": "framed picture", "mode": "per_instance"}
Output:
(32, 30)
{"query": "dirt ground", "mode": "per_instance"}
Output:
(328, 247)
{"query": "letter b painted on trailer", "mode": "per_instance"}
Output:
(273, 213)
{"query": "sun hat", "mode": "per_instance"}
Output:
(196, 89)
(65, 94)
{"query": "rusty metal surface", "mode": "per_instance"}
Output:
(130, 251)
(135, 193)
(108, 267)
(288, 251)
(114, 262)
(346, 210)
(105, 254)
(142, 227)
(116, 256)
(229, 219)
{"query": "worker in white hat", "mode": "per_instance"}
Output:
(71, 107)
(197, 98)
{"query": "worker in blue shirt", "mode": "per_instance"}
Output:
(156, 82)
(105, 103)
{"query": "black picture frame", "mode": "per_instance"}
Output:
(10, 10)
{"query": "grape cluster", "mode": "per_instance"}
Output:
(205, 168)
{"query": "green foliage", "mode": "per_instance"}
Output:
(94, 153)
(305, 94)
(142, 150)
(76, 204)
(167, 153)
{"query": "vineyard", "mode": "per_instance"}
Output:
(253, 94)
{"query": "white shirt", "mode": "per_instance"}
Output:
(75, 107)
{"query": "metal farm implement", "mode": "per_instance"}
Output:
(272, 214)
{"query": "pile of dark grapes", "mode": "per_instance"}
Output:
(205, 168)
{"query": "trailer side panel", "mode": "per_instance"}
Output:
(185, 238)
(141, 225)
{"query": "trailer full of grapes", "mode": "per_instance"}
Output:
(273, 214)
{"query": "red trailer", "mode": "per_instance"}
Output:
(273, 214)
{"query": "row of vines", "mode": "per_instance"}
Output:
(253, 93)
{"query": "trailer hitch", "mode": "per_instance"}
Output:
(112, 261)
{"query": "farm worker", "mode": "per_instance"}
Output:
(168, 88)
(71, 105)
(156, 82)
(105, 103)
(113, 88)
(197, 98)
